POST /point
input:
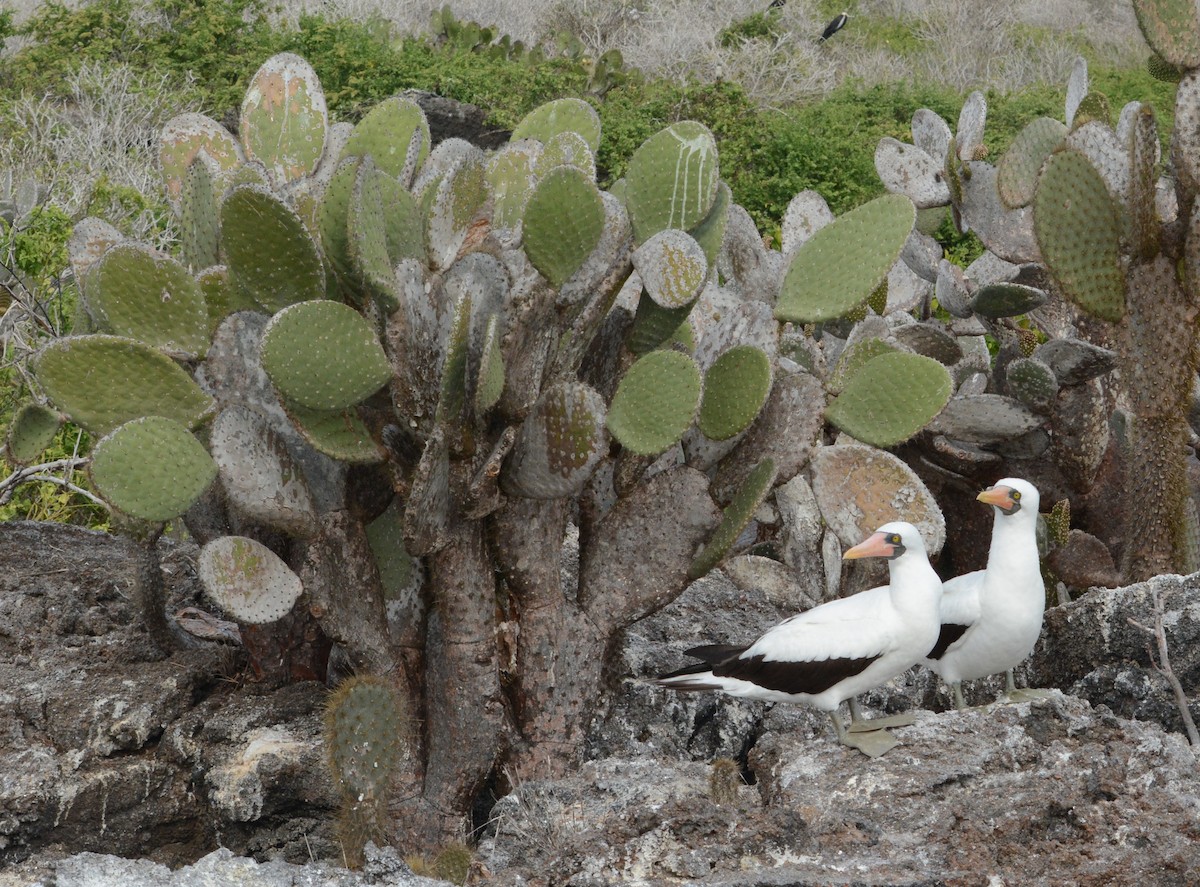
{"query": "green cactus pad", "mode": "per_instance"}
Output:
(323, 355)
(673, 268)
(562, 115)
(1160, 69)
(838, 268)
(560, 443)
(339, 434)
(284, 120)
(259, 476)
(333, 216)
(490, 383)
(365, 728)
(1018, 169)
(183, 138)
(453, 202)
(270, 254)
(891, 398)
(199, 222)
(653, 325)
(152, 468)
(854, 357)
(655, 402)
(1006, 300)
(32, 430)
(510, 175)
(859, 488)
(101, 382)
(221, 297)
(568, 149)
(735, 517)
(1032, 382)
(1078, 232)
(1141, 219)
(1171, 29)
(710, 233)
(564, 219)
(395, 135)
(452, 397)
(384, 228)
(1093, 106)
(138, 292)
(735, 388)
(672, 180)
(247, 580)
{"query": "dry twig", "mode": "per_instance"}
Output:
(1163, 666)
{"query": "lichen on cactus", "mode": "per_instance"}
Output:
(248, 580)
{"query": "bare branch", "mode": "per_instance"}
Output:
(9, 485)
(1163, 667)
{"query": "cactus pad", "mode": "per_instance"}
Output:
(710, 233)
(248, 580)
(453, 202)
(32, 430)
(839, 267)
(284, 119)
(199, 222)
(221, 297)
(673, 267)
(1079, 234)
(101, 382)
(186, 136)
(323, 355)
(270, 254)
(1032, 382)
(511, 178)
(985, 419)
(891, 398)
(490, 383)
(1018, 169)
(735, 388)
(143, 294)
(1171, 29)
(1006, 300)
(564, 219)
(655, 402)
(906, 169)
(395, 135)
(400, 573)
(735, 517)
(339, 434)
(258, 474)
(653, 325)
(560, 443)
(568, 149)
(672, 180)
(860, 488)
(806, 214)
(562, 115)
(152, 468)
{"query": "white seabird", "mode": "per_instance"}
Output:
(991, 619)
(839, 649)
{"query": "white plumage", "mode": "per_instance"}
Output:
(991, 619)
(839, 649)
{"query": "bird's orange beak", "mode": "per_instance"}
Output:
(876, 545)
(1001, 497)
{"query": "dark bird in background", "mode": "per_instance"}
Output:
(777, 4)
(834, 26)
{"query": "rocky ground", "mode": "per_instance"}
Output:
(181, 773)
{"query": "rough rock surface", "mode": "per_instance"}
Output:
(107, 745)
(1044, 792)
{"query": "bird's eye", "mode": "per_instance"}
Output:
(894, 539)
(1016, 495)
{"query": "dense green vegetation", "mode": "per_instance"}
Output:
(206, 50)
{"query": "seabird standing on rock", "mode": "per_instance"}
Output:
(834, 26)
(839, 649)
(991, 619)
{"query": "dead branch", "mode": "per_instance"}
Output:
(1163, 666)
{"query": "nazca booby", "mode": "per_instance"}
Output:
(838, 649)
(991, 618)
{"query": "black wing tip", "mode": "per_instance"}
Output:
(951, 632)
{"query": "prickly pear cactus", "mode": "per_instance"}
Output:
(411, 366)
